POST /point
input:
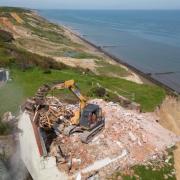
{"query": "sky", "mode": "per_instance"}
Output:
(94, 4)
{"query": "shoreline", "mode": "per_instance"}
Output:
(140, 73)
(143, 76)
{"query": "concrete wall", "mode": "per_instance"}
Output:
(40, 168)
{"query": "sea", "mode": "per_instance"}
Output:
(149, 40)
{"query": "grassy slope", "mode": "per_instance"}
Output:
(27, 82)
(24, 84)
(63, 46)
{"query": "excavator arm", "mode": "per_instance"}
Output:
(88, 119)
(70, 84)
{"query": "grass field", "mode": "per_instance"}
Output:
(111, 69)
(25, 83)
(27, 71)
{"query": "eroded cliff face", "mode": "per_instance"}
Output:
(169, 113)
(37, 35)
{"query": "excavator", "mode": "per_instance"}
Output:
(88, 120)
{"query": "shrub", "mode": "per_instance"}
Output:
(98, 92)
(6, 36)
(15, 9)
(26, 60)
(4, 129)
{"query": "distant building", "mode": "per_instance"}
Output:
(4, 75)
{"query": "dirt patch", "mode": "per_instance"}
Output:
(7, 25)
(169, 114)
(17, 18)
(133, 77)
(38, 45)
(82, 63)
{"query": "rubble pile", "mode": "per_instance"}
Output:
(129, 138)
(55, 112)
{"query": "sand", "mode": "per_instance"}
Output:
(169, 114)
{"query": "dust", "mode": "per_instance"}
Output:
(11, 164)
(17, 168)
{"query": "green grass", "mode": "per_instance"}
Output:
(150, 172)
(5, 58)
(5, 41)
(25, 83)
(5, 129)
(67, 51)
(147, 173)
(79, 54)
(44, 30)
(26, 79)
(106, 68)
(13, 9)
(52, 36)
(5, 12)
(10, 54)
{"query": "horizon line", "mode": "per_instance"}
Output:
(43, 8)
(104, 9)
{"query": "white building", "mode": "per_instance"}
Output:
(4, 75)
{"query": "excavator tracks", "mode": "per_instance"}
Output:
(87, 136)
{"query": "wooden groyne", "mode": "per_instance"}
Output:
(147, 76)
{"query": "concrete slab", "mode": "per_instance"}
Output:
(40, 168)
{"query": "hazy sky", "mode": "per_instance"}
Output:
(94, 4)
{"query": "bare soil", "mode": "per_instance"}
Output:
(169, 114)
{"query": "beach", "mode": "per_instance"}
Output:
(44, 52)
(138, 75)
(136, 39)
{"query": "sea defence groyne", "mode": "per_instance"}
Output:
(147, 76)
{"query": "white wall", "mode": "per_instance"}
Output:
(40, 168)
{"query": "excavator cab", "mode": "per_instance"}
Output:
(91, 117)
(91, 121)
(90, 124)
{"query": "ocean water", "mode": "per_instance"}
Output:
(148, 40)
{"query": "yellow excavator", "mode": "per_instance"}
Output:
(70, 84)
(88, 119)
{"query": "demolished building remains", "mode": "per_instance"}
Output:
(129, 138)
